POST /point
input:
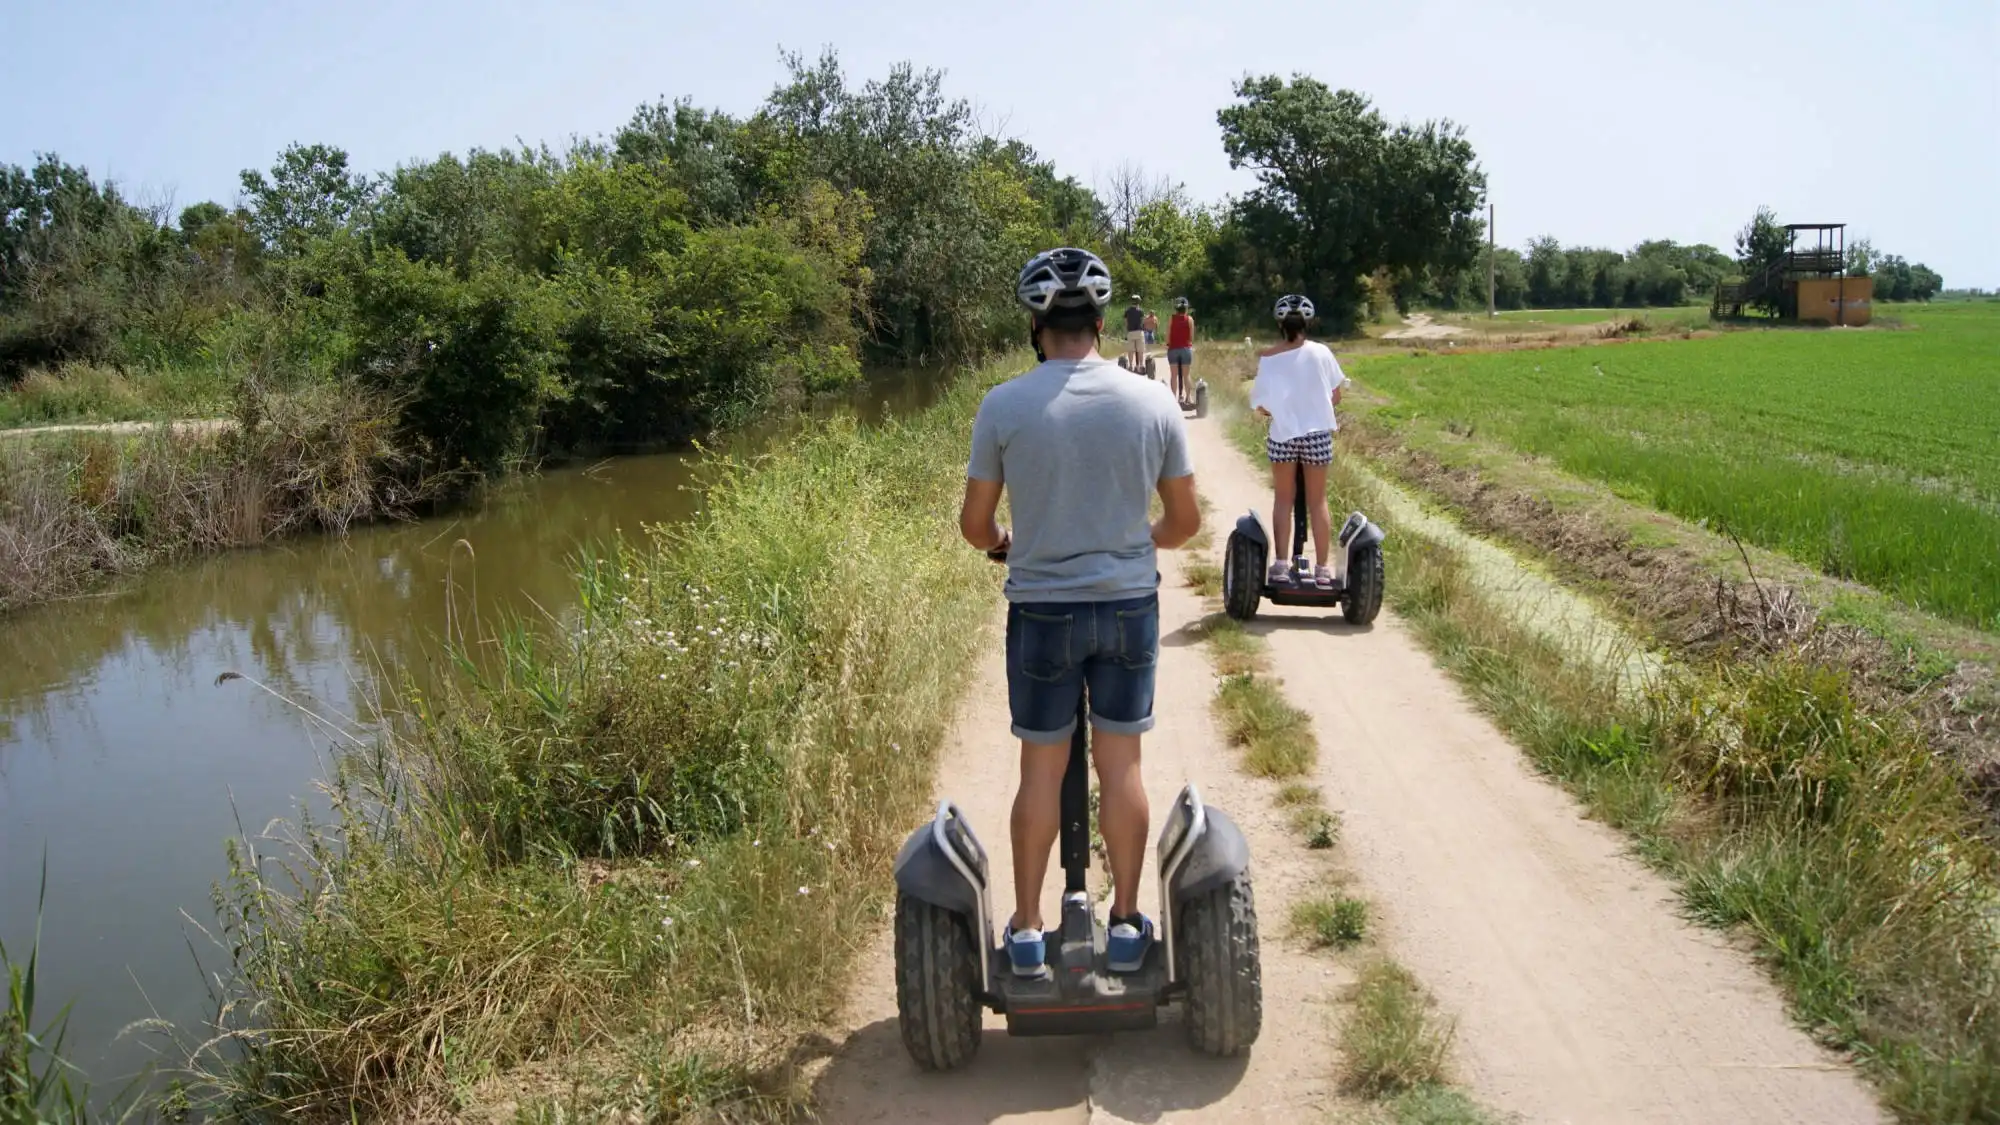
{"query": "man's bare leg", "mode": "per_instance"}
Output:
(1122, 814)
(1036, 823)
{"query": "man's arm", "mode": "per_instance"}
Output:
(984, 476)
(977, 520)
(1181, 514)
(1182, 517)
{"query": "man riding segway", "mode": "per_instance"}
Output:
(1135, 337)
(1080, 449)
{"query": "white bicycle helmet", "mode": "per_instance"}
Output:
(1065, 278)
(1292, 303)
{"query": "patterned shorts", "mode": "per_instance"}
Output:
(1312, 449)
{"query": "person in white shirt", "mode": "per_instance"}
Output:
(1298, 385)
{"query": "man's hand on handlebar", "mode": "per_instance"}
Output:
(998, 552)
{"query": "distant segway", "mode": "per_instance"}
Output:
(1150, 370)
(1357, 579)
(950, 965)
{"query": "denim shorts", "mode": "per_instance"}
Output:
(1053, 648)
(1180, 357)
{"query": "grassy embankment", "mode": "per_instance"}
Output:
(629, 870)
(1787, 807)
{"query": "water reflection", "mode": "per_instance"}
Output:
(121, 757)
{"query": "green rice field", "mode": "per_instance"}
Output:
(1871, 454)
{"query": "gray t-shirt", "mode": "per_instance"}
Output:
(1080, 445)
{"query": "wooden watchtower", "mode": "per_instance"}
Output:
(1805, 283)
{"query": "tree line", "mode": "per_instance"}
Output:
(695, 265)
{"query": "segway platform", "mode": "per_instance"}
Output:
(1079, 994)
(950, 964)
(1357, 576)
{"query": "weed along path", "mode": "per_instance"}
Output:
(1580, 994)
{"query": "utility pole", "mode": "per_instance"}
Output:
(1491, 312)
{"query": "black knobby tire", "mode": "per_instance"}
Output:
(1201, 402)
(1242, 577)
(1216, 944)
(1152, 367)
(937, 985)
(1364, 585)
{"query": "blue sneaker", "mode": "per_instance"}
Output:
(1027, 951)
(1130, 938)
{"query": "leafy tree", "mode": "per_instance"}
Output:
(1340, 194)
(949, 228)
(308, 193)
(1924, 282)
(466, 213)
(1545, 273)
(1761, 242)
(1861, 256)
(705, 154)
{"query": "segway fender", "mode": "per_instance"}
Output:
(1219, 855)
(1251, 527)
(943, 864)
(1359, 531)
(1200, 849)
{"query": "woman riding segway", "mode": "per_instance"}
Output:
(1298, 384)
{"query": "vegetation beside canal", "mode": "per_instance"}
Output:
(638, 850)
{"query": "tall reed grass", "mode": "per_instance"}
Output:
(79, 506)
(629, 858)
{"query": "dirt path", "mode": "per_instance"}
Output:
(1580, 996)
(183, 426)
(1419, 326)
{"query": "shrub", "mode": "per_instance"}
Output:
(472, 362)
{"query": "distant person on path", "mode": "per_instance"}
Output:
(1298, 385)
(1152, 325)
(1135, 335)
(1080, 449)
(1180, 350)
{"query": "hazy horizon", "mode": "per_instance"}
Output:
(1599, 128)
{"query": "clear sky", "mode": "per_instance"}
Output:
(1598, 122)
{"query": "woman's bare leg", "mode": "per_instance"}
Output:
(1316, 510)
(1284, 481)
